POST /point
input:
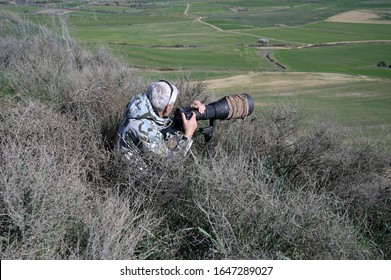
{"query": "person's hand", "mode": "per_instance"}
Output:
(198, 105)
(190, 125)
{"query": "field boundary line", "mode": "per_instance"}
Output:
(343, 43)
(186, 10)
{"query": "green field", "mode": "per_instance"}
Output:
(354, 59)
(203, 36)
(325, 32)
(208, 40)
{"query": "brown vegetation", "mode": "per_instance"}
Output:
(364, 16)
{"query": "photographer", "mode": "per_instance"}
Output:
(145, 122)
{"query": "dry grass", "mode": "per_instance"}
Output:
(364, 16)
(278, 192)
(50, 208)
(272, 189)
(57, 125)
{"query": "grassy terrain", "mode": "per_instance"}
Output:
(352, 59)
(325, 32)
(289, 15)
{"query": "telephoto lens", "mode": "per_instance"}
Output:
(236, 106)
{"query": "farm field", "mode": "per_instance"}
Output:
(353, 101)
(218, 41)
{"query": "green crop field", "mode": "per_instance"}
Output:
(210, 40)
(355, 59)
(325, 32)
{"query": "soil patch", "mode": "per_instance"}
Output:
(54, 11)
(363, 16)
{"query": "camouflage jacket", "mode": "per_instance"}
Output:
(142, 129)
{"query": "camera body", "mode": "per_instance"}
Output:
(229, 107)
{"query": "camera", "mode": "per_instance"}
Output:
(236, 106)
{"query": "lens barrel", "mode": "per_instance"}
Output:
(230, 107)
(240, 106)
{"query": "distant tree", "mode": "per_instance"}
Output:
(381, 64)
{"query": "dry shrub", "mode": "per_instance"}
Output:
(101, 89)
(43, 173)
(120, 227)
(293, 167)
(78, 100)
(49, 208)
(190, 91)
(58, 199)
(316, 155)
(39, 64)
(269, 192)
(41, 198)
(247, 219)
(91, 87)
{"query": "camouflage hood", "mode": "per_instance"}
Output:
(142, 128)
(141, 108)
